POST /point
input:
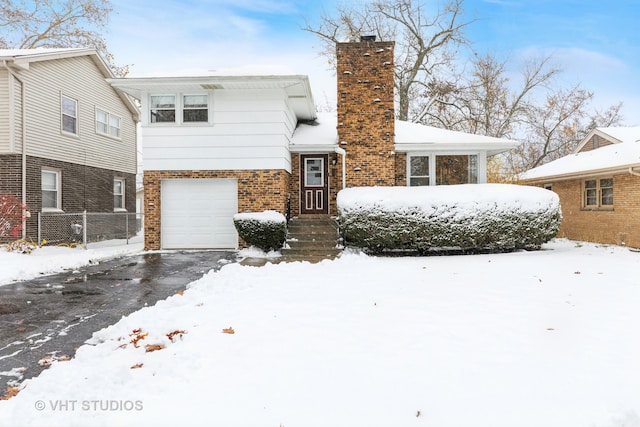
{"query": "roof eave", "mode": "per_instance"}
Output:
(616, 170)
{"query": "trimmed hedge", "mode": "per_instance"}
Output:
(483, 217)
(265, 230)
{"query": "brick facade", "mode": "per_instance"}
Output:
(83, 187)
(366, 116)
(620, 226)
(258, 190)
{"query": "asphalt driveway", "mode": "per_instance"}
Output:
(50, 317)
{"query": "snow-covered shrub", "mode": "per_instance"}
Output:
(468, 217)
(266, 230)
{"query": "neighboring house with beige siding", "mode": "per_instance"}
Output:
(67, 137)
(216, 145)
(599, 187)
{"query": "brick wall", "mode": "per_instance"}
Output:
(83, 187)
(366, 117)
(618, 226)
(11, 175)
(258, 190)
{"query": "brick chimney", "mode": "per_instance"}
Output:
(366, 114)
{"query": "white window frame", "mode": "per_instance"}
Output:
(480, 164)
(176, 109)
(58, 180)
(121, 195)
(108, 129)
(63, 114)
(179, 109)
(185, 108)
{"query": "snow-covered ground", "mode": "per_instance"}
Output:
(546, 338)
(54, 259)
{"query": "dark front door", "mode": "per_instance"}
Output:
(314, 184)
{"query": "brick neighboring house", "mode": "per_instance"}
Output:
(598, 186)
(67, 137)
(217, 145)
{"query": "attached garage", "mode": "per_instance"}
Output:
(198, 213)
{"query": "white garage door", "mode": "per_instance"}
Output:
(198, 213)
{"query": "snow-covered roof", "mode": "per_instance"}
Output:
(619, 156)
(322, 134)
(414, 136)
(616, 134)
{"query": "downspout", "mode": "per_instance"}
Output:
(632, 172)
(23, 121)
(343, 153)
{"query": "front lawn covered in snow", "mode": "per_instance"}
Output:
(546, 338)
(489, 217)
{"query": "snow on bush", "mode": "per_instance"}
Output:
(266, 230)
(468, 217)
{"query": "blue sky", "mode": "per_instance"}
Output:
(595, 42)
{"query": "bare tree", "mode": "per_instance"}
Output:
(486, 101)
(56, 23)
(556, 127)
(426, 40)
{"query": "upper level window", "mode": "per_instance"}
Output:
(114, 126)
(69, 108)
(598, 193)
(195, 108)
(50, 185)
(118, 194)
(102, 122)
(163, 108)
(107, 123)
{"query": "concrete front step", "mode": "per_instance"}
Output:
(309, 238)
(313, 252)
(298, 244)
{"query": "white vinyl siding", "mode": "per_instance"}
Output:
(80, 79)
(5, 115)
(10, 114)
(246, 131)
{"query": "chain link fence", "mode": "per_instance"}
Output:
(86, 227)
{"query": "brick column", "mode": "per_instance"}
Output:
(366, 114)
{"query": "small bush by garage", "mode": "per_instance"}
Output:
(265, 230)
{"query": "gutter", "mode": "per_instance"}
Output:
(24, 147)
(343, 153)
(632, 172)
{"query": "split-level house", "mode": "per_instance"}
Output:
(216, 145)
(598, 186)
(67, 137)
